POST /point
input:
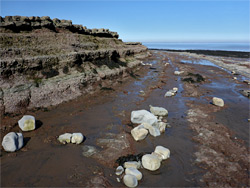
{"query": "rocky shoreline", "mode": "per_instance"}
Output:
(46, 62)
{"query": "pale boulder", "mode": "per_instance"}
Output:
(65, 138)
(12, 142)
(153, 130)
(27, 123)
(119, 170)
(218, 101)
(151, 162)
(132, 164)
(158, 111)
(134, 172)
(77, 138)
(139, 133)
(130, 180)
(162, 151)
(143, 116)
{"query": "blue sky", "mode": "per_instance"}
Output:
(149, 21)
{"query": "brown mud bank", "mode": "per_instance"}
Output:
(201, 134)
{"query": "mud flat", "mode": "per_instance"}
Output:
(208, 144)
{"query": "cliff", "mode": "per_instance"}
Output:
(45, 62)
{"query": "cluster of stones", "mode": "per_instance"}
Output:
(14, 141)
(75, 138)
(24, 23)
(149, 122)
(150, 162)
(171, 92)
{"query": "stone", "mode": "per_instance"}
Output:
(158, 111)
(88, 151)
(77, 138)
(27, 123)
(178, 72)
(157, 155)
(168, 94)
(143, 116)
(153, 130)
(139, 133)
(163, 152)
(175, 89)
(119, 170)
(132, 164)
(218, 101)
(65, 138)
(134, 172)
(130, 180)
(151, 162)
(245, 92)
(12, 142)
(162, 126)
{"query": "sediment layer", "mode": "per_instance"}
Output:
(51, 63)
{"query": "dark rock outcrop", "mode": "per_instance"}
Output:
(26, 24)
(45, 62)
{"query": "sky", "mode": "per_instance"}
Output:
(148, 20)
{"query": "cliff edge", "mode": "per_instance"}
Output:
(45, 62)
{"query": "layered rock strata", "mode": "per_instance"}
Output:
(45, 62)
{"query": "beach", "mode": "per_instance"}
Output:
(208, 144)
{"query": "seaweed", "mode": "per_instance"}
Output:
(198, 78)
(107, 89)
(130, 157)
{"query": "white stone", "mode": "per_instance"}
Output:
(168, 94)
(139, 133)
(27, 123)
(130, 180)
(141, 116)
(151, 162)
(134, 172)
(158, 111)
(178, 72)
(77, 138)
(157, 155)
(65, 138)
(162, 126)
(175, 89)
(12, 142)
(164, 152)
(119, 170)
(132, 164)
(218, 101)
(235, 78)
(153, 130)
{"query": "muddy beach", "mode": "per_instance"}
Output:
(209, 144)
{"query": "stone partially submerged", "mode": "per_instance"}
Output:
(27, 123)
(218, 101)
(134, 172)
(163, 152)
(151, 162)
(139, 133)
(130, 180)
(143, 116)
(158, 111)
(153, 130)
(12, 142)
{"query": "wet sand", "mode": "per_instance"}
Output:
(105, 117)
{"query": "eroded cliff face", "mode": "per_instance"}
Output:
(45, 62)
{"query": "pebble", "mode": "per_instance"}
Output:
(151, 162)
(164, 152)
(12, 142)
(132, 164)
(130, 180)
(139, 133)
(77, 138)
(134, 172)
(27, 123)
(119, 170)
(218, 101)
(65, 138)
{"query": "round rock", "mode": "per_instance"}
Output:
(12, 142)
(151, 162)
(164, 152)
(130, 180)
(134, 172)
(77, 138)
(27, 123)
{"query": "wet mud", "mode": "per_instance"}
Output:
(208, 144)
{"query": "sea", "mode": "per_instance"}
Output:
(243, 47)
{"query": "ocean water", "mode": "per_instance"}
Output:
(244, 47)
